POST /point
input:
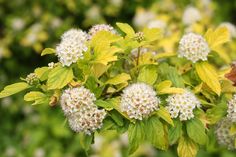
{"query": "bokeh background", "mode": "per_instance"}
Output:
(29, 26)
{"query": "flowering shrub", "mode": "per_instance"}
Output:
(104, 80)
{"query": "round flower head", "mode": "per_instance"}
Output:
(193, 47)
(76, 99)
(72, 46)
(223, 135)
(191, 15)
(182, 105)
(232, 109)
(139, 100)
(32, 79)
(231, 28)
(100, 27)
(87, 121)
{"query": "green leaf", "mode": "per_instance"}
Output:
(165, 115)
(86, 141)
(148, 74)
(104, 104)
(48, 51)
(93, 85)
(175, 132)
(136, 136)
(13, 89)
(217, 112)
(155, 134)
(116, 117)
(37, 97)
(196, 131)
(187, 147)
(126, 28)
(208, 75)
(168, 72)
(42, 73)
(120, 78)
(59, 77)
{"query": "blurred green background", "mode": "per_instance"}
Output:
(28, 26)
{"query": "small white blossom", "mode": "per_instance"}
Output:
(87, 121)
(31, 79)
(182, 105)
(231, 28)
(72, 46)
(193, 47)
(232, 109)
(223, 135)
(18, 24)
(77, 99)
(191, 15)
(100, 27)
(139, 100)
(51, 65)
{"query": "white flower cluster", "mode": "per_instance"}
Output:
(139, 36)
(88, 121)
(182, 105)
(72, 46)
(230, 27)
(139, 100)
(232, 109)
(160, 24)
(142, 18)
(31, 79)
(191, 15)
(193, 47)
(83, 115)
(76, 99)
(224, 137)
(100, 27)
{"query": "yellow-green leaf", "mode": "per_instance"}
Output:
(217, 37)
(13, 89)
(59, 77)
(47, 51)
(208, 75)
(104, 38)
(164, 87)
(187, 148)
(98, 69)
(151, 34)
(37, 97)
(148, 74)
(126, 28)
(42, 73)
(164, 114)
(120, 78)
(104, 55)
